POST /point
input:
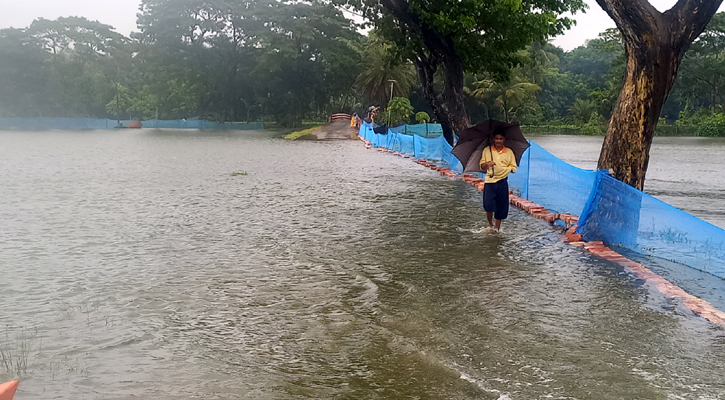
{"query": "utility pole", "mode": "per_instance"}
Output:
(392, 81)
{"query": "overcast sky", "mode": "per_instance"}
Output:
(121, 14)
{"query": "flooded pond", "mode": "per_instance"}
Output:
(236, 265)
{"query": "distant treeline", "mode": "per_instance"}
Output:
(286, 63)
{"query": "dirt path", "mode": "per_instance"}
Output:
(337, 130)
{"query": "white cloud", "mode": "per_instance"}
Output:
(595, 20)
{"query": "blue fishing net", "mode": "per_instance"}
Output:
(609, 210)
(623, 216)
(547, 180)
(102, 123)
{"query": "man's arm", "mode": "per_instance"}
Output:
(485, 164)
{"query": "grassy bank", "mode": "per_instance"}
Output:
(298, 134)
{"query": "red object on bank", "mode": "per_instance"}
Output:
(7, 390)
(134, 124)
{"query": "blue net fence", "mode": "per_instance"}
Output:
(623, 216)
(435, 149)
(425, 130)
(100, 123)
(609, 210)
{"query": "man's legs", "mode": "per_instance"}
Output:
(491, 203)
(502, 202)
(498, 225)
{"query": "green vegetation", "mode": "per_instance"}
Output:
(397, 113)
(298, 134)
(231, 60)
(239, 174)
(422, 117)
(285, 64)
(445, 40)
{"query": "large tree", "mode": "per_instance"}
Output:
(235, 59)
(454, 37)
(655, 43)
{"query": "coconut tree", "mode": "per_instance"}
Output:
(380, 69)
(511, 96)
(582, 110)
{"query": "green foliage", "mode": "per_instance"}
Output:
(422, 117)
(475, 28)
(285, 63)
(121, 102)
(215, 59)
(595, 125)
(582, 111)
(515, 97)
(298, 134)
(708, 122)
(452, 38)
(398, 111)
(701, 78)
(380, 68)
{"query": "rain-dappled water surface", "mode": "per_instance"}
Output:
(172, 265)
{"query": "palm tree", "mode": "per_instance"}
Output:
(582, 110)
(539, 59)
(512, 96)
(374, 81)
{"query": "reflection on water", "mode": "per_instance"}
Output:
(173, 265)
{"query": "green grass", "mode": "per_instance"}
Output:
(239, 173)
(297, 134)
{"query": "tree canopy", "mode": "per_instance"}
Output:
(281, 62)
(465, 36)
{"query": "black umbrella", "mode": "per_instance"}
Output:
(473, 140)
(381, 129)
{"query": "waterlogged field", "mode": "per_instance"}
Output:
(172, 265)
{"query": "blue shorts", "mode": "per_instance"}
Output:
(496, 198)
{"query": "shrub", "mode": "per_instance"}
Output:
(422, 117)
(399, 109)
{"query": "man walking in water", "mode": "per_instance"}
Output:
(498, 161)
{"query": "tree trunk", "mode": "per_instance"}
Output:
(426, 70)
(655, 43)
(453, 94)
(651, 71)
(439, 51)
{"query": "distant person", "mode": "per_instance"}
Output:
(372, 113)
(355, 125)
(354, 121)
(498, 161)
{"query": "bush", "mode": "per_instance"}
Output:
(399, 109)
(594, 126)
(708, 122)
(713, 125)
(422, 117)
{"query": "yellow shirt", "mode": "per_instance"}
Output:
(505, 163)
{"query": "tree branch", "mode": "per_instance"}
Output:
(689, 18)
(632, 17)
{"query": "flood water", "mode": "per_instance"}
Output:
(236, 265)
